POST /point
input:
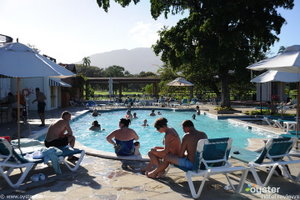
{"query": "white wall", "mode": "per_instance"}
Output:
(43, 84)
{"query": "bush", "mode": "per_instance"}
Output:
(219, 108)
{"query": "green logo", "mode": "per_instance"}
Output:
(247, 189)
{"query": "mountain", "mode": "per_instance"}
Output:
(134, 60)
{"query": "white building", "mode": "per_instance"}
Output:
(51, 87)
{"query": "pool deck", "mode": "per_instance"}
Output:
(99, 178)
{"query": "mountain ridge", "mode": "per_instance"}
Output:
(133, 60)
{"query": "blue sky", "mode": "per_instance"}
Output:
(69, 30)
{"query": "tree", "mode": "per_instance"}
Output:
(86, 61)
(146, 74)
(114, 71)
(127, 74)
(89, 71)
(217, 36)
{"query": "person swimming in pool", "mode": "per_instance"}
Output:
(152, 113)
(145, 123)
(198, 110)
(188, 148)
(194, 116)
(128, 115)
(95, 126)
(95, 113)
(156, 167)
(137, 149)
(122, 138)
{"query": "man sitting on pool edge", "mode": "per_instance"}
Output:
(56, 136)
(189, 145)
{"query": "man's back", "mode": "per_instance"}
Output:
(56, 130)
(190, 142)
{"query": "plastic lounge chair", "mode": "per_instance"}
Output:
(292, 134)
(91, 104)
(268, 120)
(10, 160)
(212, 158)
(272, 155)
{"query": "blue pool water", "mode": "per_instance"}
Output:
(149, 137)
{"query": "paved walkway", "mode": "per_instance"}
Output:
(99, 178)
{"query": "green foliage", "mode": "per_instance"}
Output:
(86, 61)
(114, 71)
(220, 108)
(89, 91)
(89, 71)
(148, 89)
(146, 74)
(257, 112)
(217, 36)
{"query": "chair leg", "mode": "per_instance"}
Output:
(298, 177)
(285, 172)
(192, 186)
(73, 169)
(258, 180)
(242, 181)
(229, 181)
(255, 175)
(28, 167)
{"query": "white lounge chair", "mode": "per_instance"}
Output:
(212, 158)
(273, 155)
(11, 160)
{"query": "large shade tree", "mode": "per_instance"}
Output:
(216, 36)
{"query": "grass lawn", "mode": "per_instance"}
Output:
(124, 93)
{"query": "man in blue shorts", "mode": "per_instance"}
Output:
(188, 148)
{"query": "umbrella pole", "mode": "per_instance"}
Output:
(260, 97)
(297, 116)
(18, 111)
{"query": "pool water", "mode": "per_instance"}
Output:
(149, 136)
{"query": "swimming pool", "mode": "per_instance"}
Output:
(149, 136)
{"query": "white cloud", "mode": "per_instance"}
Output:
(145, 34)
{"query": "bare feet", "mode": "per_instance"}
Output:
(150, 167)
(151, 174)
(161, 174)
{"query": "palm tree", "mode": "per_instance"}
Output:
(86, 61)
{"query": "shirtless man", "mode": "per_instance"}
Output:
(189, 145)
(40, 98)
(157, 154)
(56, 135)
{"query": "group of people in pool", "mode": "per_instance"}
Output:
(97, 127)
(174, 151)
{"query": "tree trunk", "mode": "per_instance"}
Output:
(225, 96)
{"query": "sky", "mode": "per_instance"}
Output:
(69, 30)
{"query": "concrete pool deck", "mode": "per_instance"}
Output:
(99, 178)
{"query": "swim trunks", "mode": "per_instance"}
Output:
(186, 163)
(41, 107)
(124, 148)
(61, 142)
